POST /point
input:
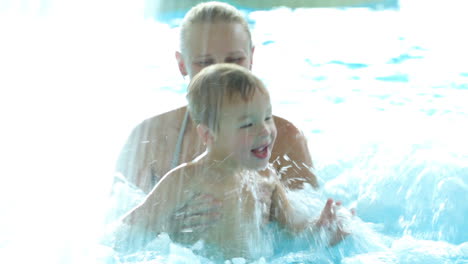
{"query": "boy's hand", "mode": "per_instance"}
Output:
(332, 225)
(197, 215)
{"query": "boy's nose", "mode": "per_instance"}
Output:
(264, 130)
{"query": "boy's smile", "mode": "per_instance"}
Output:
(262, 152)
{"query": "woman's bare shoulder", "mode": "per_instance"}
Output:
(288, 133)
(291, 156)
(158, 126)
(285, 125)
(165, 118)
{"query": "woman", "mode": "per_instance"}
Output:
(211, 33)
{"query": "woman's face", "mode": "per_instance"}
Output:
(209, 43)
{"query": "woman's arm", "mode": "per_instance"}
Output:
(134, 161)
(291, 156)
(154, 215)
(148, 152)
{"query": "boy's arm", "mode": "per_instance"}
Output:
(291, 156)
(328, 225)
(283, 212)
(331, 223)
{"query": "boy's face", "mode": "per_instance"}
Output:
(246, 133)
(212, 43)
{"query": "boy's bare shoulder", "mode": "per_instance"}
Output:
(185, 174)
(271, 175)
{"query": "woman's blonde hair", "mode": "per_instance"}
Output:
(211, 12)
(216, 85)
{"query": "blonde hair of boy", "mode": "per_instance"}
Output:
(216, 85)
(211, 12)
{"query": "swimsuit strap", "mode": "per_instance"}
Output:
(178, 147)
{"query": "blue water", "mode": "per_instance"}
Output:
(380, 95)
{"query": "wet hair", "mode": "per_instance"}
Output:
(216, 85)
(211, 12)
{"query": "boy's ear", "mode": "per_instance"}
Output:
(207, 136)
(181, 63)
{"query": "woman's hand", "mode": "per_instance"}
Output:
(332, 224)
(196, 216)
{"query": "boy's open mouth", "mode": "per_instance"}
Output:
(261, 152)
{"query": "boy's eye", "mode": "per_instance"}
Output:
(268, 118)
(247, 125)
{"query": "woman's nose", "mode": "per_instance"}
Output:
(218, 59)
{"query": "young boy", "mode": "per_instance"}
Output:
(233, 113)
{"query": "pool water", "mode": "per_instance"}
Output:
(380, 95)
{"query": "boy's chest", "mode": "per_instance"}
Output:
(245, 209)
(247, 200)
